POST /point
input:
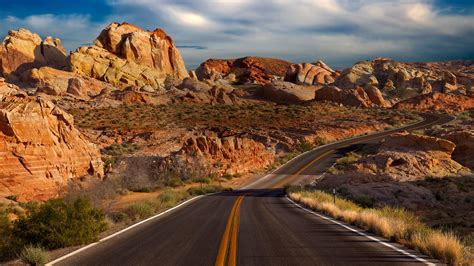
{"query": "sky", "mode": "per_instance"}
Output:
(339, 32)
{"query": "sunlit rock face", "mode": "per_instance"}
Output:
(125, 55)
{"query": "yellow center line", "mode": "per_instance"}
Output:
(231, 231)
(286, 180)
(227, 254)
(232, 261)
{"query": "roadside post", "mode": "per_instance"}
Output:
(334, 195)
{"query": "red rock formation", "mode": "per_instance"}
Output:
(438, 101)
(234, 154)
(246, 70)
(351, 97)
(40, 150)
(22, 50)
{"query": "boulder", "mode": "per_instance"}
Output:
(194, 85)
(463, 137)
(22, 50)
(125, 55)
(259, 70)
(310, 74)
(41, 150)
(58, 82)
(287, 92)
(351, 97)
(376, 96)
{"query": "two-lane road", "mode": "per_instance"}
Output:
(254, 226)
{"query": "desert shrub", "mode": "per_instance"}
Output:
(304, 147)
(57, 224)
(170, 198)
(140, 210)
(120, 149)
(173, 182)
(12, 197)
(364, 201)
(204, 180)
(201, 190)
(118, 217)
(34, 255)
(228, 176)
(344, 162)
(142, 189)
(5, 235)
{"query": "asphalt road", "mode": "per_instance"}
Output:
(256, 225)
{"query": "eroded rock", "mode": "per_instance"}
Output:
(41, 150)
(22, 50)
(125, 55)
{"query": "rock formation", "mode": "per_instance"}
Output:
(462, 134)
(405, 157)
(438, 101)
(22, 50)
(58, 82)
(287, 92)
(40, 149)
(233, 153)
(125, 55)
(400, 81)
(243, 70)
(310, 74)
(351, 97)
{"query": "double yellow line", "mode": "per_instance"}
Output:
(227, 254)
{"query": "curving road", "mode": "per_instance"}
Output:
(256, 225)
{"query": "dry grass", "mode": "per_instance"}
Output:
(392, 223)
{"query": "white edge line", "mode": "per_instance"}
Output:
(121, 231)
(363, 234)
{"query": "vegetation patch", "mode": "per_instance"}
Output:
(33, 255)
(395, 224)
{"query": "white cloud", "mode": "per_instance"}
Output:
(73, 30)
(338, 31)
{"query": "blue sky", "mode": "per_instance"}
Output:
(339, 32)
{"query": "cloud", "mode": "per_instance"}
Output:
(73, 30)
(337, 31)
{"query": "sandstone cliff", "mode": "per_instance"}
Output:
(22, 50)
(125, 55)
(40, 150)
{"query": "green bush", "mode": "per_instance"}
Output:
(57, 224)
(140, 210)
(205, 180)
(173, 182)
(5, 235)
(120, 149)
(201, 190)
(34, 255)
